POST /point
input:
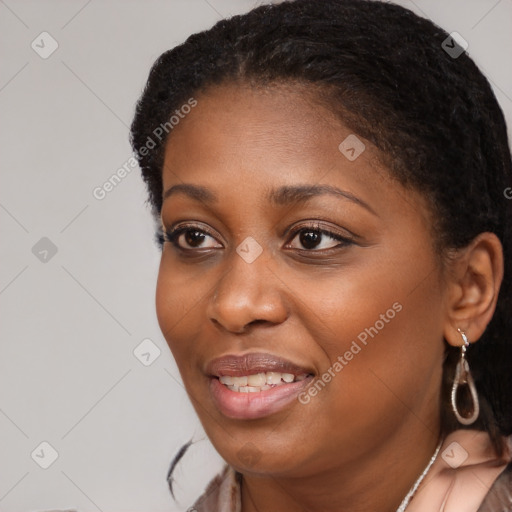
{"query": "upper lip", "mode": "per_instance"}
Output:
(248, 364)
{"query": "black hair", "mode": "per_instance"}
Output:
(391, 78)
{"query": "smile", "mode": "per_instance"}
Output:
(255, 385)
(259, 381)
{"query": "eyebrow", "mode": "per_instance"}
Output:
(284, 195)
(196, 192)
(302, 193)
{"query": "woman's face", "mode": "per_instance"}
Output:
(294, 260)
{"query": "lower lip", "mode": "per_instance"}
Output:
(248, 406)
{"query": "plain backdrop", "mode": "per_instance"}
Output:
(77, 273)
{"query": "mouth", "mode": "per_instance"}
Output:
(255, 385)
(259, 381)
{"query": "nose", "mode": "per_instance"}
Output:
(246, 295)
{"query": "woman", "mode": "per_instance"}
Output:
(335, 285)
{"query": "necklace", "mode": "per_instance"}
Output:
(414, 488)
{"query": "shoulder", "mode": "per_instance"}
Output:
(222, 494)
(499, 497)
(468, 471)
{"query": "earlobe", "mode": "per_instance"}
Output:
(475, 280)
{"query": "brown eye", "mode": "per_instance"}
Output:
(193, 238)
(316, 240)
(310, 239)
(189, 238)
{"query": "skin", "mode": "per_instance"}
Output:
(361, 442)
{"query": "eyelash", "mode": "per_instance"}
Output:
(344, 241)
(172, 236)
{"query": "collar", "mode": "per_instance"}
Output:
(458, 481)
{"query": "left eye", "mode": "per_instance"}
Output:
(315, 239)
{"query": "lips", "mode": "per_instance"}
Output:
(231, 375)
(250, 364)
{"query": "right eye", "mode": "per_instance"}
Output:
(189, 238)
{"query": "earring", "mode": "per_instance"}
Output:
(463, 377)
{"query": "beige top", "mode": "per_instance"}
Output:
(459, 480)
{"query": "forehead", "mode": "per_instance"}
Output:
(273, 132)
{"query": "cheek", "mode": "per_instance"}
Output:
(169, 309)
(178, 301)
(357, 302)
(382, 318)
(387, 342)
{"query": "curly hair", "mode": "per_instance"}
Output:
(384, 71)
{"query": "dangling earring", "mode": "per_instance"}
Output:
(463, 377)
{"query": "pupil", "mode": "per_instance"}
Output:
(194, 238)
(310, 239)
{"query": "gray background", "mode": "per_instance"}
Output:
(70, 321)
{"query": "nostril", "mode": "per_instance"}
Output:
(232, 328)
(257, 322)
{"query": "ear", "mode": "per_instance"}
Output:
(473, 282)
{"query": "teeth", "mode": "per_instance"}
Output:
(273, 378)
(240, 381)
(259, 381)
(228, 380)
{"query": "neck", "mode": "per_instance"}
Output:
(378, 481)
